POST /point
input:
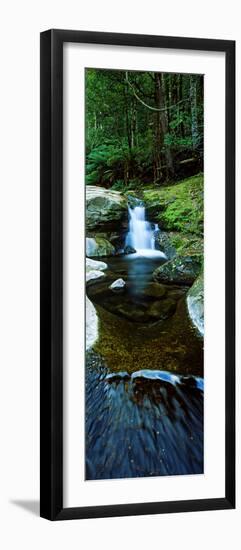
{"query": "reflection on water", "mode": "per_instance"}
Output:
(140, 268)
(146, 325)
(144, 379)
(139, 426)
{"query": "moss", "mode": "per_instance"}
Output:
(187, 245)
(178, 207)
(180, 270)
(99, 247)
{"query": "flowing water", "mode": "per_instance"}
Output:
(144, 378)
(141, 235)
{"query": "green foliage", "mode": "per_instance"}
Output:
(105, 164)
(119, 185)
(178, 142)
(178, 207)
(127, 139)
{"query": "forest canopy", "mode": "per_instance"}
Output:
(142, 127)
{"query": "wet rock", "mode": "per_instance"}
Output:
(118, 285)
(91, 325)
(117, 376)
(174, 243)
(178, 293)
(94, 270)
(163, 376)
(95, 265)
(164, 242)
(133, 199)
(104, 208)
(153, 290)
(94, 275)
(162, 309)
(195, 304)
(129, 250)
(180, 270)
(132, 312)
(99, 247)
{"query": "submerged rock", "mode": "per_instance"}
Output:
(162, 309)
(179, 270)
(195, 304)
(91, 325)
(99, 247)
(104, 208)
(119, 284)
(153, 290)
(132, 312)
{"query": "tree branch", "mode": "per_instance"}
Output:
(149, 106)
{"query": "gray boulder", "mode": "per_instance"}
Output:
(98, 247)
(118, 285)
(91, 325)
(195, 304)
(94, 270)
(129, 250)
(179, 270)
(104, 208)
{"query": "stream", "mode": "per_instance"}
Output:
(144, 376)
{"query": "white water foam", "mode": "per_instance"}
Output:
(141, 236)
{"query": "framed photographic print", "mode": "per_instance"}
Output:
(137, 274)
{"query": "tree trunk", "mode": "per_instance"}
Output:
(127, 115)
(165, 128)
(158, 136)
(194, 123)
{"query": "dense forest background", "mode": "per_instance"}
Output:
(142, 127)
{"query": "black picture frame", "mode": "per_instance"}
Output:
(51, 323)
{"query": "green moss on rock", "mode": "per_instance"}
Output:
(98, 247)
(179, 270)
(178, 207)
(174, 243)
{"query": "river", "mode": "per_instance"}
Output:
(144, 377)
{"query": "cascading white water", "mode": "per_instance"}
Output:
(141, 236)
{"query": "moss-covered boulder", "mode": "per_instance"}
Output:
(105, 209)
(195, 304)
(179, 270)
(174, 243)
(177, 207)
(98, 247)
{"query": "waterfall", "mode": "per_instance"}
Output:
(140, 235)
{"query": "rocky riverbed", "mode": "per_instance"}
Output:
(144, 336)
